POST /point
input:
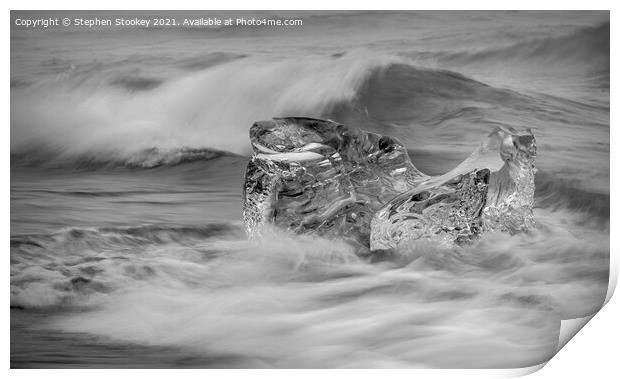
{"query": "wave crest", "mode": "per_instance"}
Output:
(143, 159)
(214, 108)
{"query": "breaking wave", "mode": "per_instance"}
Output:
(210, 100)
(214, 108)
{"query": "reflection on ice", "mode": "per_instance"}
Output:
(316, 176)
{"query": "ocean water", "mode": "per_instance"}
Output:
(128, 150)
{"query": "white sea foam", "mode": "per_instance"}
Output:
(295, 301)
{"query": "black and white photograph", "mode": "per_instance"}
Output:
(306, 189)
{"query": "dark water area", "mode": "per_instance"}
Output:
(127, 165)
(46, 200)
(33, 347)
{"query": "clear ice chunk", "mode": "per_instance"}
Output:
(310, 175)
(318, 176)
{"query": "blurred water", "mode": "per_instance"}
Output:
(128, 149)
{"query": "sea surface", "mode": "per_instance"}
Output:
(128, 151)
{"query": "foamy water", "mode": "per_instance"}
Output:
(126, 171)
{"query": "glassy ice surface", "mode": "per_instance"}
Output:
(317, 176)
(492, 190)
(448, 211)
(511, 191)
(313, 175)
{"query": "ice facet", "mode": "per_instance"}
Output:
(511, 189)
(317, 176)
(443, 211)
